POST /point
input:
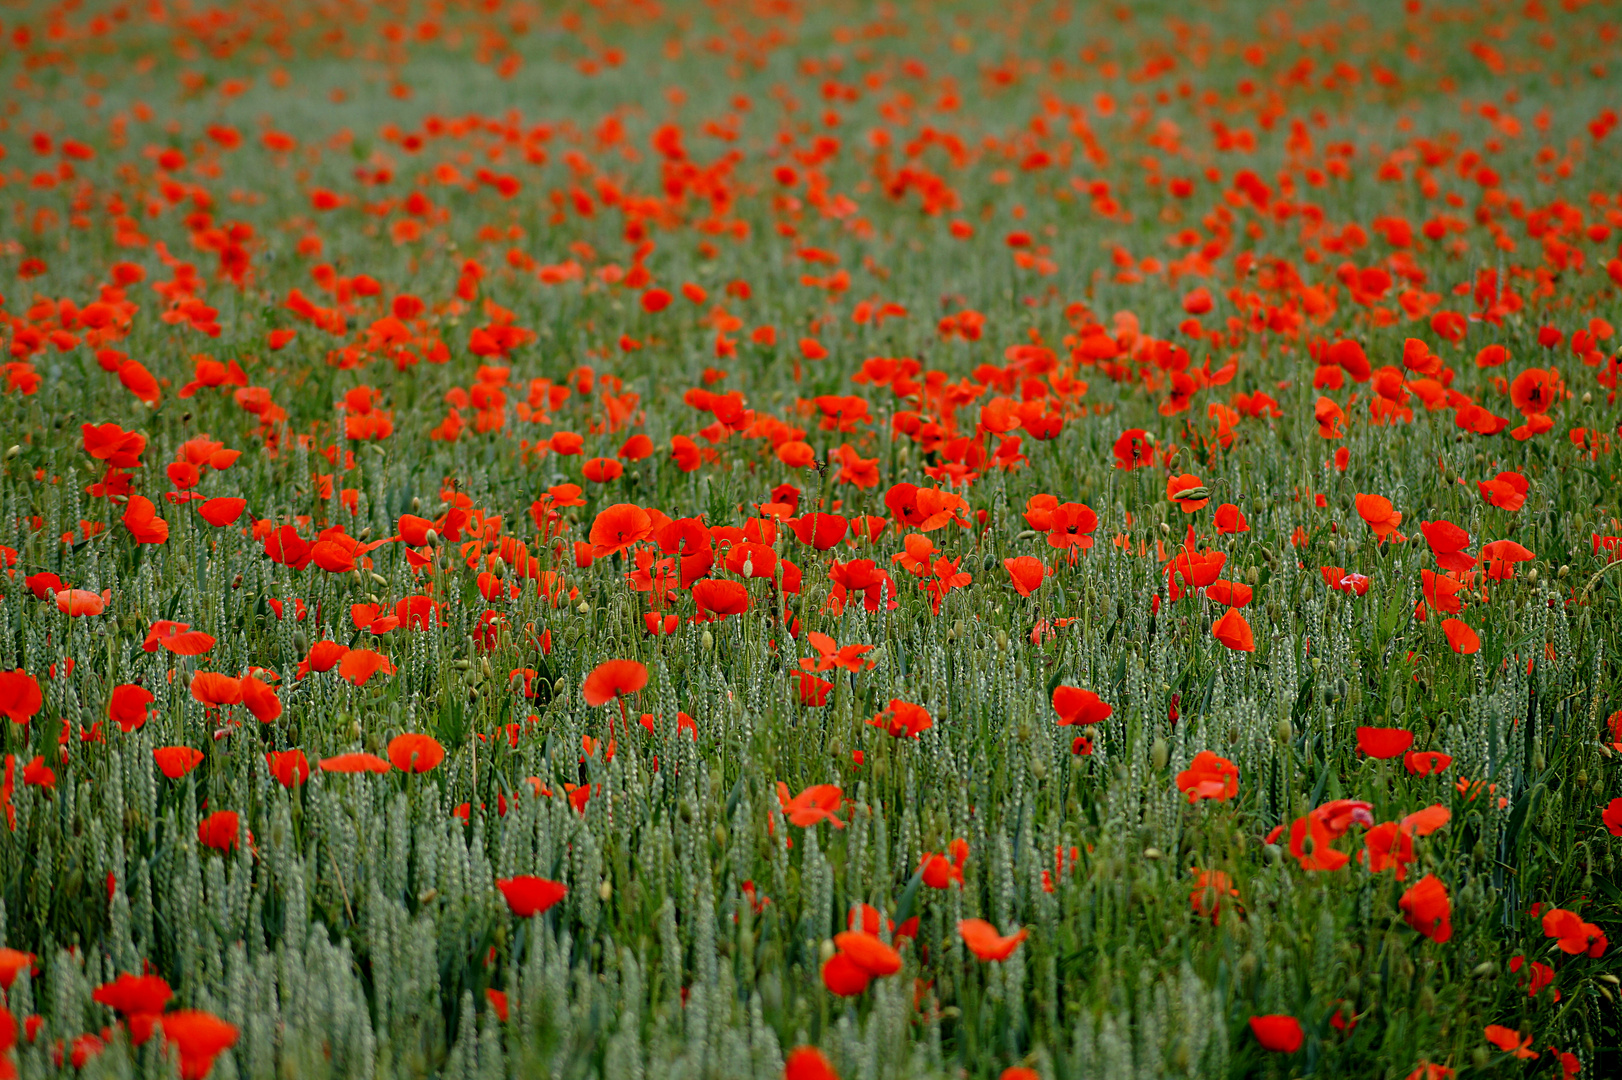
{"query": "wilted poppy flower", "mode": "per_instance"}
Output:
(219, 830)
(1209, 777)
(1383, 742)
(527, 895)
(1234, 632)
(1427, 908)
(868, 952)
(355, 763)
(415, 753)
(176, 761)
(288, 767)
(199, 1037)
(1278, 1033)
(1077, 706)
(128, 705)
(983, 940)
(20, 697)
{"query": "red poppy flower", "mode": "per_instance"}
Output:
(1278, 1033)
(134, 995)
(983, 940)
(721, 597)
(1209, 777)
(527, 895)
(288, 767)
(903, 719)
(613, 678)
(176, 761)
(617, 527)
(1234, 632)
(1383, 742)
(20, 697)
(1611, 818)
(260, 699)
(219, 830)
(844, 977)
(816, 804)
(1428, 909)
(222, 512)
(1026, 572)
(358, 762)
(214, 690)
(868, 952)
(359, 665)
(1461, 637)
(807, 1062)
(412, 752)
(199, 1037)
(128, 706)
(142, 520)
(1077, 706)
(1426, 763)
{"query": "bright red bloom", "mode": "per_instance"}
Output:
(199, 1037)
(527, 895)
(1278, 1033)
(416, 753)
(613, 678)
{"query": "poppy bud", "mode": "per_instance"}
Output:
(1159, 754)
(605, 891)
(1480, 1056)
(1588, 398)
(1273, 852)
(13, 451)
(416, 503)
(707, 641)
(584, 608)
(828, 950)
(431, 538)
(1532, 577)
(1563, 571)
(301, 643)
(1285, 730)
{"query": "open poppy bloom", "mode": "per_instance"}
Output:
(219, 830)
(1575, 936)
(288, 767)
(353, 764)
(127, 706)
(1377, 511)
(1384, 742)
(199, 1037)
(1426, 763)
(1510, 1041)
(176, 761)
(1209, 777)
(1077, 706)
(1234, 632)
(939, 871)
(808, 1063)
(983, 940)
(1026, 572)
(903, 719)
(868, 952)
(1278, 1033)
(414, 753)
(20, 696)
(817, 803)
(1428, 909)
(527, 895)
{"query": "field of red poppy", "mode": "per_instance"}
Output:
(1037, 540)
